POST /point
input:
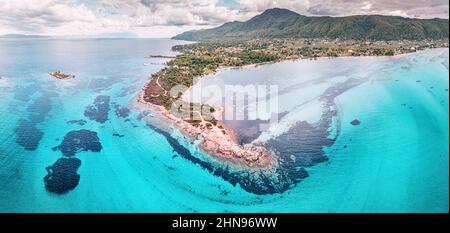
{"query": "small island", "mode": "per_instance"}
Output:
(60, 75)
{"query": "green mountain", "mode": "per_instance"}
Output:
(283, 23)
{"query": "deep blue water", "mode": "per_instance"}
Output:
(82, 145)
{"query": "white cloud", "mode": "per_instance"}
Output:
(261, 5)
(410, 8)
(164, 18)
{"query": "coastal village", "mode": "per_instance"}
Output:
(199, 59)
(308, 48)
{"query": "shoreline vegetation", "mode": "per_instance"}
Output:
(203, 122)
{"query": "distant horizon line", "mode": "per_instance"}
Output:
(40, 36)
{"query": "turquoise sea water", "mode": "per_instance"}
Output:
(396, 160)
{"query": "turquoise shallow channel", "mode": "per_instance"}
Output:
(81, 145)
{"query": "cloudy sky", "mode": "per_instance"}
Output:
(165, 18)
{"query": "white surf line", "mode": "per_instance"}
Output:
(291, 119)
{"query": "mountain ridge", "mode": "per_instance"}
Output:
(284, 23)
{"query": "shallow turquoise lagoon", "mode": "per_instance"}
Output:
(395, 160)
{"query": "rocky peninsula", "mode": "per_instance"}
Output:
(201, 122)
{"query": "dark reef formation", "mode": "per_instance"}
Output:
(77, 141)
(122, 112)
(100, 84)
(355, 122)
(27, 135)
(39, 109)
(99, 110)
(302, 145)
(62, 175)
(253, 183)
(24, 93)
(78, 122)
